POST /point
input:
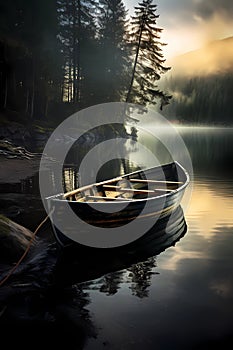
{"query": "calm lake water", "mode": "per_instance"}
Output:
(181, 298)
(187, 300)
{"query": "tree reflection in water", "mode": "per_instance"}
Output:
(60, 311)
(138, 276)
(141, 275)
(111, 283)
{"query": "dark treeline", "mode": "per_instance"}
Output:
(60, 56)
(206, 99)
(31, 67)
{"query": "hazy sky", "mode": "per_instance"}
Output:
(189, 24)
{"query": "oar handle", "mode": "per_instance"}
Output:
(84, 188)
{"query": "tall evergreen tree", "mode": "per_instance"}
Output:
(30, 56)
(149, 60)
(113, 58)
(77, 31)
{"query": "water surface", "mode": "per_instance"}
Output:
(181, 298)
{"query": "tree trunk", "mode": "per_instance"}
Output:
(32, 101)
(27, 101)
(6, 93)
(135, 63)
(78, 52)
(70, 81)
(74, 53)
(14, 89)
(5, 77)
(33, 89)
(62, 92)
(46, 107)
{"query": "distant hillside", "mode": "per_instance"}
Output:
(201, 83)
(215, 58)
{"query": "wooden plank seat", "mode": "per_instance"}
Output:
(119, 189)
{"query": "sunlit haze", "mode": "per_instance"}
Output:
(191, 24)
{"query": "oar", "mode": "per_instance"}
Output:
(156, 181)
(87, 187)
(120, 189)
(108, 198)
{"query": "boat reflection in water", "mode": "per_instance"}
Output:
(84, 264)
(61, 313)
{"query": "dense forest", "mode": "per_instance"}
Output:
(60, 56)
(201, 83)
(201, 99)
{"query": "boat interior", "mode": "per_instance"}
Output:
(122, 189)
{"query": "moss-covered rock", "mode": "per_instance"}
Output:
(14, 240)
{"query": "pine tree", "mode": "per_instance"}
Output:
(149, 61)
(29, 75)
(113, 59)
(77, 31)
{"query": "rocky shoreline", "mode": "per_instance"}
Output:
(23, 136)
(18, 164)
(35, 137)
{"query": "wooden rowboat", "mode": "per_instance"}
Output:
(145, 194)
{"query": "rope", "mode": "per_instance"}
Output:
(26, 251)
